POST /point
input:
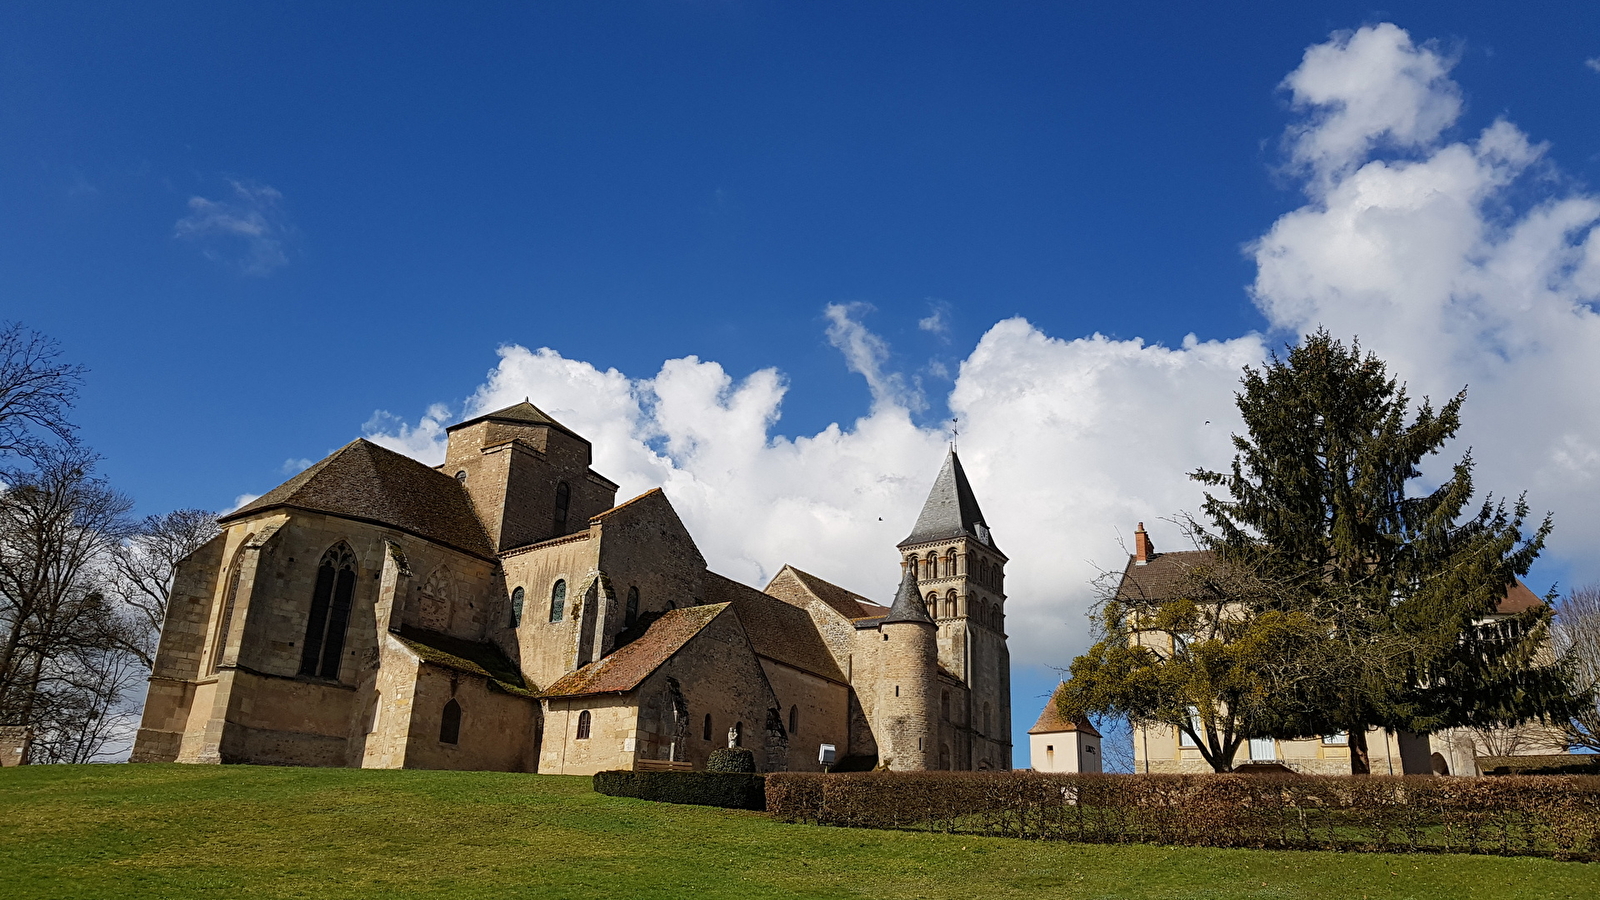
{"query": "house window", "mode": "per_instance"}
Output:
(1184, 739)
(450, 724)
(794, 720)
(330, 613)
(558, 600)
(631, 615)
(1337, 739)
(516, 607)
(583, 725)
(705, 734)
(563, 498)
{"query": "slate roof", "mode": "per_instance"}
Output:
(846, 603)
(908, 605)
(951, 509)
(623, 670)
(472, 657)
(1166, 576)
(1051, 721)
(776, 630)
(364, 481)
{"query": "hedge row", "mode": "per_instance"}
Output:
(725, 789)
(1511, 816)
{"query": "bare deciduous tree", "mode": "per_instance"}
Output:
(140, 572)
(59, 524)
(1577, 638)
(36, 390)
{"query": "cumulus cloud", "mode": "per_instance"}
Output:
(247, 229)
(938, 321)
(1423, 246)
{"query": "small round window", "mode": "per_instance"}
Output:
(461, 476)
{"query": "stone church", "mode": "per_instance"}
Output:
(503, 612)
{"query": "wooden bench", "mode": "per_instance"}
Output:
(661, 765)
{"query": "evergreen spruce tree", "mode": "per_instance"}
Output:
(1400, 586)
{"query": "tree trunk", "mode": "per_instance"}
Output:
(1360, 761)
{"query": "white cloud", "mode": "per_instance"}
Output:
(1593, 63)
(865, 354)
(938, 321)
(248, 230)
(1412, 242)
(296, 466)
(242, 501)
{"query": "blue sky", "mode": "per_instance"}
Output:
(261, 227)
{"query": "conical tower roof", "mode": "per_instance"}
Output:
(951, 510)
(908, 606)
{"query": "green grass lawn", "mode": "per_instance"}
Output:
(241, 831)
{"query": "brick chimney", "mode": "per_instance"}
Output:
(1143, 550)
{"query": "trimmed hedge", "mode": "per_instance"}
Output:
(1509, 816)
(725, 789)
(732, 759)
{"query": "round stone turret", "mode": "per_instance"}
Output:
(909, 685)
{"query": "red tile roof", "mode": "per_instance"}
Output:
(1051, 721)
(623, 670)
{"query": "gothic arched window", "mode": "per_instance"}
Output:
(706, 734)
(583, 725)
(794, 720)
(563, 499)
(330, 613)
(450, 724)
(516, 607)
(631, 614)
(558, 600)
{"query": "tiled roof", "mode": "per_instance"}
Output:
(1518, 599)
(908, 605)
(951, 510)
(362, 480)
(523, 413)
(627, 667)
(601, 516)
(846, 603)
(1164, 577)
(776, 630)
(472, 657)
(1051, 721)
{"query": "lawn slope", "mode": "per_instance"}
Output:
(243, 832)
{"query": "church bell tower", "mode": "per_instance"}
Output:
(961, 576)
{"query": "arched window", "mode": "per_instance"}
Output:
(558, 600)
(220, 643)
(631, 614)
(461, 476)
(330, 613)
(738, 734)
(950, 563)
(450, 724)
(706, 734)
(950, 604)
(933, 605)
(583, 725)
(563, 498)
(944, 757)
(932, 562)
(516, 607)
(794, 720)
(986, 718)
(944, 705)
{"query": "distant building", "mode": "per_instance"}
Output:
(502, 611)
(1153, 576)
(1059, 744)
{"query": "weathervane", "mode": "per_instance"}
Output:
(955, 431)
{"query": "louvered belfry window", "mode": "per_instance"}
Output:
(330, 613)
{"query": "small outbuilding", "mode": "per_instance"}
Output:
(1060, 744)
